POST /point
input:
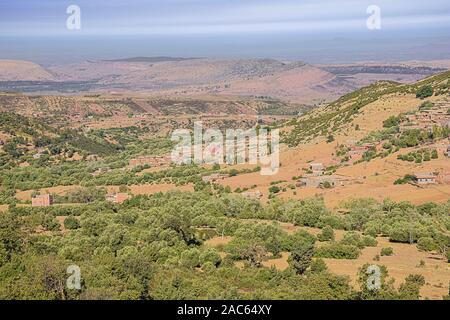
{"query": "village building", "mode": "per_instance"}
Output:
(44, 200)
(426, 178)
(359, 150)
(317, 169)
(254, 195)
(214, 177)
(323, 181)
(118, 197)
(155, 161)
(428, 118)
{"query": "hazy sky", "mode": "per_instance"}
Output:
(311, 30)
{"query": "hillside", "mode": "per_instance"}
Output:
(185, 227)
(349, 109)
(362, 141)
(15, 70)
(22, 137)
(292, 81)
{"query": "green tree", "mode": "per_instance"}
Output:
(301, 256)
(426, 244)
(71, 223)
(11, 236)
(327, 234)
(190, 258)
(425, 92)
(410, 289)
(210, 255)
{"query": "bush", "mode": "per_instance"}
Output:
(49, 223)
(425, 92)
(369, 241)
(426, 244)
(210, 256)
(274, 189)
(318, 265)
(391, 122)
(410, 290)
(71, 223)
(354, 239)
(406, 179)
(301, 256)
(338, 251)
(387, 251)
(400, 234)
(327, 234)
(190, 258)
(434, 154)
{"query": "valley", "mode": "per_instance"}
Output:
(364, 179)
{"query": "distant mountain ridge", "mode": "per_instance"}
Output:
(295, 81)
(150, 59)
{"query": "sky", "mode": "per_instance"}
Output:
(317, 31)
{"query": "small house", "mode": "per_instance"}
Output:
(45, 200)
(316, 168)
(118, 197)
(426, 178)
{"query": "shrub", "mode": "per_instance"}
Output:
(190, 258)
(391, 122)
(338, 251)
(400, 234)
(327, 234)
(369, 241)
(290, 242)
(50, 223)
(410, 289)
(426, 244)
(353, 238)
(371, 231)
(71, 223)
(208, 267)
(434, 154)
(210, 256)
(406, 179)
(250, 250)
(301, 256)
(425, 92)
(318, 265)
(274, 189)
(387, 251)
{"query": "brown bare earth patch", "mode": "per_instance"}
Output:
(59, 190)
(279, 263)
(149, 189)
(405, 261)
(217, 241)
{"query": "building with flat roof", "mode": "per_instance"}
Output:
(317, 169)
(118, 197)
(214, 177)
(426, 178)
(44, 200)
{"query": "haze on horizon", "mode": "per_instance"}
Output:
(316, 31)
